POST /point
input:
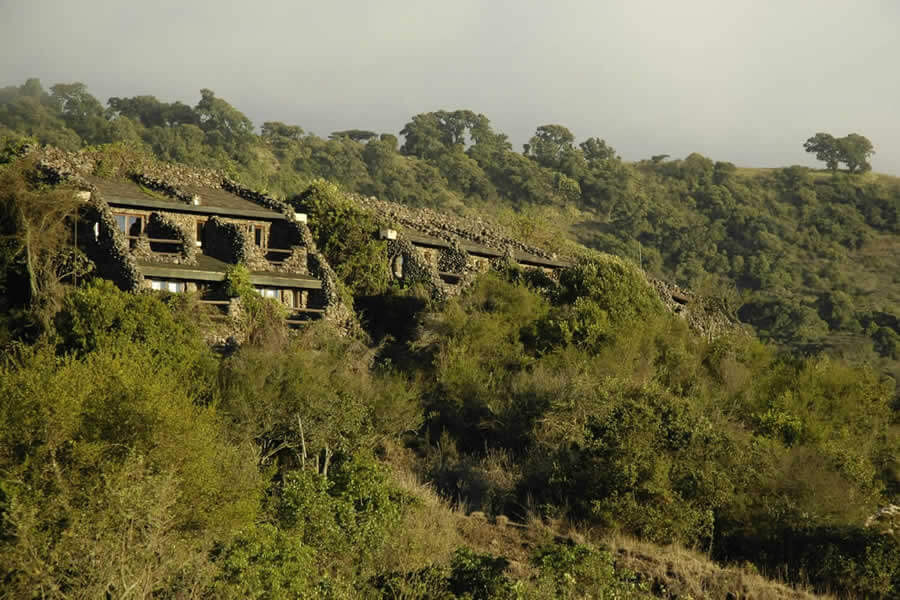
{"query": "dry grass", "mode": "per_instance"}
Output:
(429, 531)
(682, 573)
(433, 529)
(685, 573)
(871, 176)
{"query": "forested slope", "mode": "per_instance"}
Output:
(807, 258)
(136, 461)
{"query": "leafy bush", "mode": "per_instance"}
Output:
(100, 316)
(347, 517)
(346, 235)
(568, 570)
(596, 299)
(286, 399)
(114, 475)
(265, 563)
(261, 320)
(479, 576)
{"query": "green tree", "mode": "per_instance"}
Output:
(276, 130)
(596, 149)
(36, 232)
(224, 125)
(826, 149)
(81, 111)
(116, 479)
(855, 151)
(550, 145)
(29, 110)
(423, 136)
(357, 135)
(153, 113)
(429, 135)
(285, 399)
(345, 234)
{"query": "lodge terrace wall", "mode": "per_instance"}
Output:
(170, 204)
(428, 247)
(445, 253)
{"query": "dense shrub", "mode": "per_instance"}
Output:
(265, 562)
(347, 517)
(114, 476)
(346, 235)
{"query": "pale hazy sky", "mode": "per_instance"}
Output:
(740, 80)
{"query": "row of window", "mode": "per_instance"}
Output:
(134, 225)
(163, 285)
(292, 298)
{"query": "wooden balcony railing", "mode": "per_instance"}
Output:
(155, 240)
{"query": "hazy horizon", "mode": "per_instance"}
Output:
(747, 82)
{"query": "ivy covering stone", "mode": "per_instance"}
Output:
(111, 253)
(414, 267)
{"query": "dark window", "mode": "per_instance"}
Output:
(131, 225)
(200, 226)
(258, 236)
(135, 225)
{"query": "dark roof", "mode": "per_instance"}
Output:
(211, 269)
(479, 250)
(212, 201)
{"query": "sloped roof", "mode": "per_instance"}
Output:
(212, 269)
(212, 201)
(425, 226)
(480, 250)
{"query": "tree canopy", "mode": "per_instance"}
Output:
(853, 150)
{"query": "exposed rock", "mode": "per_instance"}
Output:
(704, 315)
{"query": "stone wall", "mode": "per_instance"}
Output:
(335, 304)
(109, 162)
(453, 259)
(446, 227)
(110, 251)
(264, 200)
(178, 227)
(412, 265)
(296, 262)
(225, 241)
(704, 315)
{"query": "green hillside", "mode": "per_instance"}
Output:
(530, 437)
(805, 257)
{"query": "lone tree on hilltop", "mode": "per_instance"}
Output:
(853, 150)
